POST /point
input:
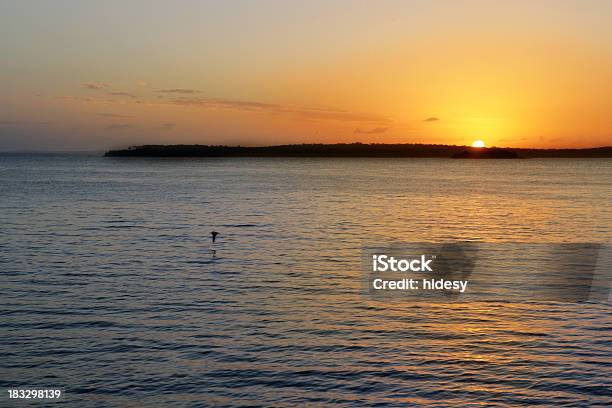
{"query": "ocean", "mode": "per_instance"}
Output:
(112, 291)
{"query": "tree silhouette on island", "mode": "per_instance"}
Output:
(380, 150)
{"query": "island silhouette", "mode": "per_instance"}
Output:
(380, 150)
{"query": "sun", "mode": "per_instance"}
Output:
(478, 143)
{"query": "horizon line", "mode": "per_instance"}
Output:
(101, 151)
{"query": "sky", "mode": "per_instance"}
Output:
(85, 75)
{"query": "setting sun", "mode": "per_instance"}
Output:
(478, 143)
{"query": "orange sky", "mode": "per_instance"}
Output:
(89, 76)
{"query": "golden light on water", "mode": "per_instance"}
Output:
(478, 143)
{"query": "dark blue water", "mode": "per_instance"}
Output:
(109, 289)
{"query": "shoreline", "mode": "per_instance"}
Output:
(357, 150)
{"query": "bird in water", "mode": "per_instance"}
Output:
(214, 237)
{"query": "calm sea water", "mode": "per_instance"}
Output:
(109, 289)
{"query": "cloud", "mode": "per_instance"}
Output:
(340, 115)
(23, 123)
(303, 113)
(179, 91)
(374, 131)
(296, 112)
(166, 126)
(431, 119)
(118, 126)
(75, 98)
(114, 115)
(141, 83)
(94, 85)
(129, 95)
(214, 103)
